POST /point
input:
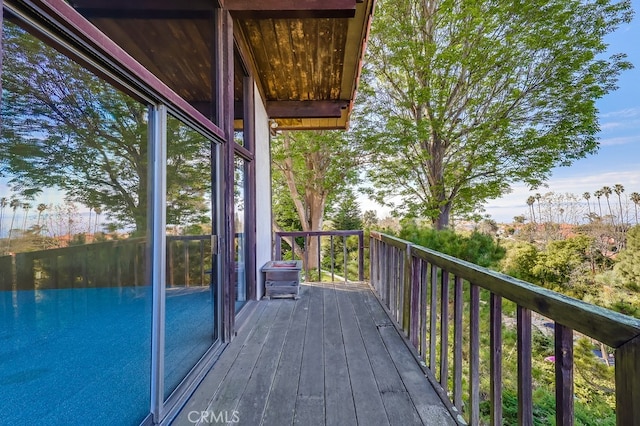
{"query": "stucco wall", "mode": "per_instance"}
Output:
(263, 191)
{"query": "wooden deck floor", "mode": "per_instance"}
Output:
(333, 357)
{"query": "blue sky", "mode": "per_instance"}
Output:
(618, 159)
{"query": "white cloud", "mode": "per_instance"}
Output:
(623, 113)
(621, 140)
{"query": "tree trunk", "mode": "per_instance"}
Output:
(442, 221)
(316, 216)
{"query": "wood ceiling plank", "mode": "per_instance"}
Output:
(290, 9)
(286, 50)
(306, 109)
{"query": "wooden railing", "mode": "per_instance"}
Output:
(420, 286)
(326, 253)
(106, 264)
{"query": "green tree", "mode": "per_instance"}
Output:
(563, 262)
(464, 98)
(63, 127)
(369, 219)
(586, 196)
(315, 167)
(635, 197)
(4, 203)
(347, 214)
(628, 260)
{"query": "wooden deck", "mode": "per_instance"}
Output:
(333, 357)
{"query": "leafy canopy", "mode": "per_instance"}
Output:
(463, 98)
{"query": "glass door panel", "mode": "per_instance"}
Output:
(190, 296)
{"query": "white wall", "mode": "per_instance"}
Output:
(263, 191)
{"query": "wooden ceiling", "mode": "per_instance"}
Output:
(305, 54)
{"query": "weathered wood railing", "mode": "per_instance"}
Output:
(315, 239)
(414, 284)
(106, 264)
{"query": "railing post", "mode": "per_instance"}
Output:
(564, 374)
(361, 256)
(627, 383)
(474, 354)
(278, 247)
(525, 400)
(495, 343)
(406, 285)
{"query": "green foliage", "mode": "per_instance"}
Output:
(556, 266)
(310, 170)
(477, 248)
(347, 214)
(628, 261)
(461, 99)
(519, 261)
(65, 128)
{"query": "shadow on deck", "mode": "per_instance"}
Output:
(333, 357)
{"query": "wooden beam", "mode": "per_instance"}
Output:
(306, 109)
(290, 9)
(145, 9)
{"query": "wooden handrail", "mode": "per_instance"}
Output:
(413, 283)
(307, 235)
(610, 327)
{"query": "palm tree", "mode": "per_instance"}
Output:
(26, 207)
(606, 191)
(538, 196)
(598, 194)
(41, 208)
(530, 202)
(90, 210)
(619, 189)
(586, 196)
(14, 204)
(635, 197)
(3, 204)
(98, 211)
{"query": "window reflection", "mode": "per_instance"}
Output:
(190, 291)
(239, 240)
(75, 302)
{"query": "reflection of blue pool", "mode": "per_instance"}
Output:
(82, 356)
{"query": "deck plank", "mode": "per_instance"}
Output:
(310, 399)
(282, 396)
(338, 394)
(333, 357)
(208, 388)
(254, 399)
(233, 385)
(397, 403)
(367, 399)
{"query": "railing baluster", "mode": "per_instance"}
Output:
(627, 383)
(319, 265)
(344, 257)
(361, 256)
(495, 338)
(474, 355)
(407, 304)
(201, 248)
(433, 318)
(525, 399)
(564, 374)
(457, 343)
(423, 308)
(185, 249)
(414, 311)
(444, 330)
(333, 258)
